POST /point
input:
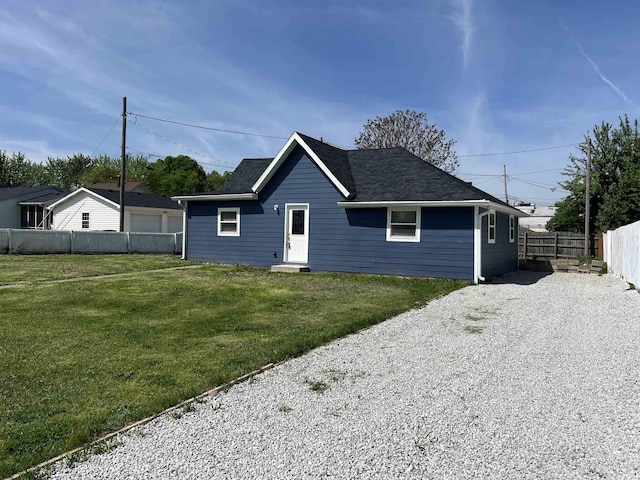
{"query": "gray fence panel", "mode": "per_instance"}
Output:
(100, 242)
(53, 241)
(4, 241)
(40, 241)
(151, 242)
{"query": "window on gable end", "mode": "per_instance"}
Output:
(229, 222)
(85, 220)
(403, 224)
(492, 227)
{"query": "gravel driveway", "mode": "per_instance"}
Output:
(532, 377)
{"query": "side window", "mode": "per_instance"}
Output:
(85, 220)
(512, 229)
(403, 224)
(229, 222)
(492, 227)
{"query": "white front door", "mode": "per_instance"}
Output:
(296, 241)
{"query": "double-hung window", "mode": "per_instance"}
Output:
(492, 227)
(229, 222)
(85, 220)
(403, 224)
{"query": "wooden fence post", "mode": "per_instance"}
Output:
(555, 246)
(525, 245)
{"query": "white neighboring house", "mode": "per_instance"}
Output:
(99, 209)
(538, 216)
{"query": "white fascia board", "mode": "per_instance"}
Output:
(158, 210)
(428, 203)
(282, 155)
(78, 192)
(220, 197)
(498, 207)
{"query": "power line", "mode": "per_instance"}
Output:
(220, 163)
(221, 130)
(209, 164)
(520, 151)
(539, 171)
(105, 137)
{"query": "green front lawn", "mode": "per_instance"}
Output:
(38, 268)
(84, 358)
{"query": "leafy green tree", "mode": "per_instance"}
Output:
(615, 180)
(105, 169)
(16, 169)
(411, 130)
(176, 176)
(66, 172)
(215, 180)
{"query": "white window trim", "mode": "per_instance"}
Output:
(489, 226)
(88, 227)
(512, 229)
(236, 210)
(416, 237)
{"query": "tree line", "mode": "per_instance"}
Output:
(168, 176)
(615, 180)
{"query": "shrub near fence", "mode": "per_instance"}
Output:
(555, 244)
(53, 241)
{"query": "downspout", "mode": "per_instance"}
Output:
(477, 244)
(185, 206)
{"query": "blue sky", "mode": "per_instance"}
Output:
(496, 75)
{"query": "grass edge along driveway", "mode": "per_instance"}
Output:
(81, 359)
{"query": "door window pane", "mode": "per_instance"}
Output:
(297, 222)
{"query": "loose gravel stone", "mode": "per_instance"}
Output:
(530, 377)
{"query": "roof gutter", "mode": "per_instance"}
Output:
(436, 203)
(218, 197)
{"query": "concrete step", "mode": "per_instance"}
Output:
(290, 268)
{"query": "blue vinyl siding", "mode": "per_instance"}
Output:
(500, 257)
(343, 240)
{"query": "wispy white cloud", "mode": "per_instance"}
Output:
(463, 20)
(595, 67)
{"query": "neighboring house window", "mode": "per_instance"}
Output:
(403, 224)
(512, 228)
(229, 222)
(85, 220)
(492, 226)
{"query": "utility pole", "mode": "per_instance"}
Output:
(587, 199)
(506, 195)
(123, 160)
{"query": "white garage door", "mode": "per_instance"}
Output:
(175, 223)
(146, 223)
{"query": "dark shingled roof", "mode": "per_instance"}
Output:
(135, 199)
(46, 199)
(244, 176)
(395, 174)
(26, 192)
(376, 175)
(335, 159)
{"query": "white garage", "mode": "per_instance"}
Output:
(141, 222)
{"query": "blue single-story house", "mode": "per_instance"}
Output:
(382, 211)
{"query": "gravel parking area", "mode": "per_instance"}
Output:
(531, 377)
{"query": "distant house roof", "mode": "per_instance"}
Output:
(46, 199)
(131, 199)
(27, 193)
(140, 187)
(362, 176)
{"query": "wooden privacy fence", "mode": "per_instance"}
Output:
(56, 241)
(556, 245)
